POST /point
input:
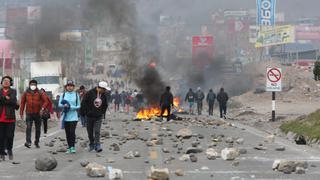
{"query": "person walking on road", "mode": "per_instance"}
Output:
(45, 116)
(94, 106)
(116, 97)
(70, 100)
(8, 105)
(211, 97)
(35, 103)
(166, 102)
(199, 98)
(82, 92)
(223, 99)
(190, 98)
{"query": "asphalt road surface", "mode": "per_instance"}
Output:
(253, 165)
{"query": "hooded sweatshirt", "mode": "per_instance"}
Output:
(71, 97)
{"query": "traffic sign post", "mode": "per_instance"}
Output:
(274, 84)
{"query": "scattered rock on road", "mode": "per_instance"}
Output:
(288, 167)
(84, 163)
(229, 153)
(159, 174)
(179, 172)
(184, 133)
(46, 163)
(96, 170)
(212, 154)
(129, 155)
(115, 174)
(280, 148)
(194, 150)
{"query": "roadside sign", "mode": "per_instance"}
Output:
(274, 76)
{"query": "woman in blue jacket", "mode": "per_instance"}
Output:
(70, 102)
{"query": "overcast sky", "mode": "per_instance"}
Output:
(292, 8)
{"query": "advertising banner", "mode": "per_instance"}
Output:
(202, 50)
(276, 36)
(266, 12)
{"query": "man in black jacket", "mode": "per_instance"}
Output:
(166, 102)
(223, 99)
(94, 106)
(210, 100)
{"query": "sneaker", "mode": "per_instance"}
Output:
(98, 148)
(73, 150)
(37, 145)
(91, 148)
(68, 151)
(28, 145)
(45, 135)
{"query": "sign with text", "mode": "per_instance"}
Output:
(273, 77)
(276, 36)
(266, 12)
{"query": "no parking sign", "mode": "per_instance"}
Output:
(274, 76)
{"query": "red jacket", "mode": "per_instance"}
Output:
(34, 101)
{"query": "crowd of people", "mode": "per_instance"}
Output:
(87, 106)
(36, 106)
(199, 96)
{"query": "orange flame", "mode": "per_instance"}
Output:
(148, 113)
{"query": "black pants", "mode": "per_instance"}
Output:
(199, 106)
(70, 128)
(29, 120)
(93, 129)
(6, 137)
(164, 108)
(211, 108)
(223, 109)
(45, 125)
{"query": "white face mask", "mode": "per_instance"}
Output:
(33, 88)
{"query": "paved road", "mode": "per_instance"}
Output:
(253, 165)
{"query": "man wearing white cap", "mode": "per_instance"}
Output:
(94, 106)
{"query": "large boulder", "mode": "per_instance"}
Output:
(159, 174)
(46, 163)
(229, 153)
(184, 133)
(96, 170)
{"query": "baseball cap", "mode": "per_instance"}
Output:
(70, 82)
(104, 85)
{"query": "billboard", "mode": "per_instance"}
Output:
(202, 50)
(266, 12)
(276, 36)
(34, 14)
(112, 43)
(307, 33)
(73, 36)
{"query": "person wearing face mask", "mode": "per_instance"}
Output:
(34, 102)
(70, 100)
(94, 106)
(8, 105)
